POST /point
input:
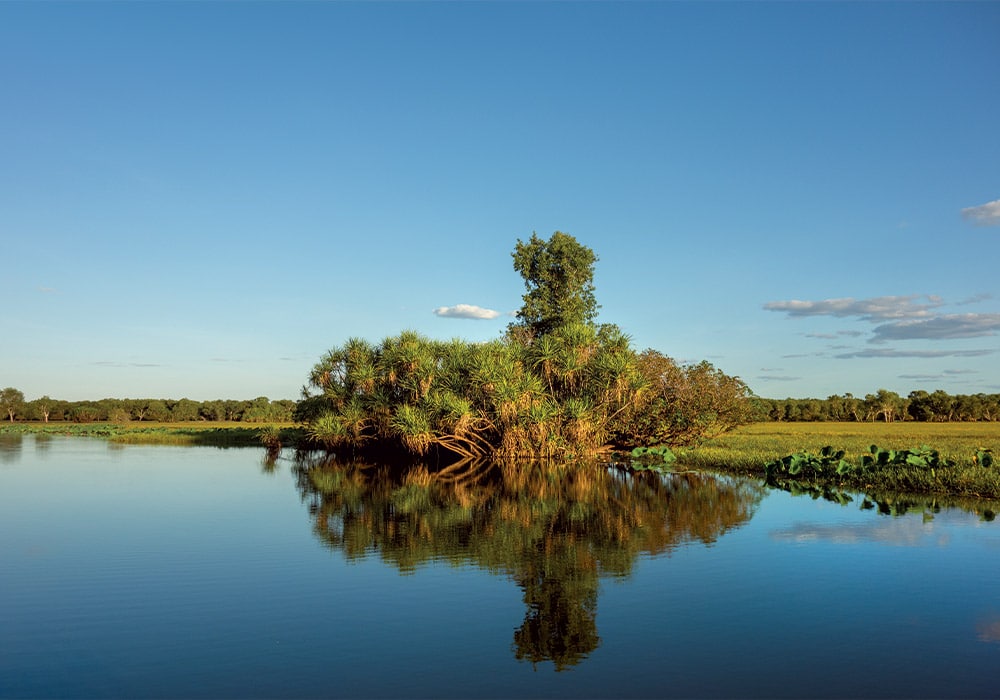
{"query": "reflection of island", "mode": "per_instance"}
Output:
(555, 530)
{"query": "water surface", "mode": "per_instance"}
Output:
(199, 572)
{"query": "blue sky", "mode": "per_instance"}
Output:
(199, 199)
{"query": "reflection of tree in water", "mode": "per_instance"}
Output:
(555, 530)
(43, 443)
(10, 447)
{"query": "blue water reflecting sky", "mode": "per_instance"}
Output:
(191, 572)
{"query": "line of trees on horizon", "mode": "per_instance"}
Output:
(45, 409)
(884, 405)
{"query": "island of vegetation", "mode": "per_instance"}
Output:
(558, 385)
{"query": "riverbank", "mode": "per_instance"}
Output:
(204, 433)
(748, 449)
(745, 451)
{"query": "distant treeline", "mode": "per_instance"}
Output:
(259, 410)
(884, 405)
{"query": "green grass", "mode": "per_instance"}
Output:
(747, 449)
(215, 434)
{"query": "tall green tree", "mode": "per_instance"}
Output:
(887, 404)
(183, 410)
(41, 408)
(559, 278)
(11, 401)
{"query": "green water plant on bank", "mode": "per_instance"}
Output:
(983, 457)
(923, 456)
(830, 462)
(659, 458)
(921, 470)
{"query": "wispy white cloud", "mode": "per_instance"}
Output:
(944, 374)
(47, 290)
(974, 299)
(943, 327)
(777, 378)
(984, 215)
(874, 309)
(465, 311)
(911, 317)
(901, 532)
(872, 352)
(111, 363)
(834, 336)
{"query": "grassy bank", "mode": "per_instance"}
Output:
(204, 433)
(745, 450)
(749, 448)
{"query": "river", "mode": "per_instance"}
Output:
(199, 572)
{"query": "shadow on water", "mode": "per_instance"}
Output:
(10, 448)
(554, 530)
(43, 443)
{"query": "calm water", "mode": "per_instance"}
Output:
(197, 572)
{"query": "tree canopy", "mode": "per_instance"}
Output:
(11, 401)
(559, 279)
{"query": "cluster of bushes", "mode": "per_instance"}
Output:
(571, 392)
(555, 384)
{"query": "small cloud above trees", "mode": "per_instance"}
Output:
(466, 311)
(983, 215)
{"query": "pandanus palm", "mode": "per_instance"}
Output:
(408, 364)
(574, 347)
(553, 395)
(544, 354)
